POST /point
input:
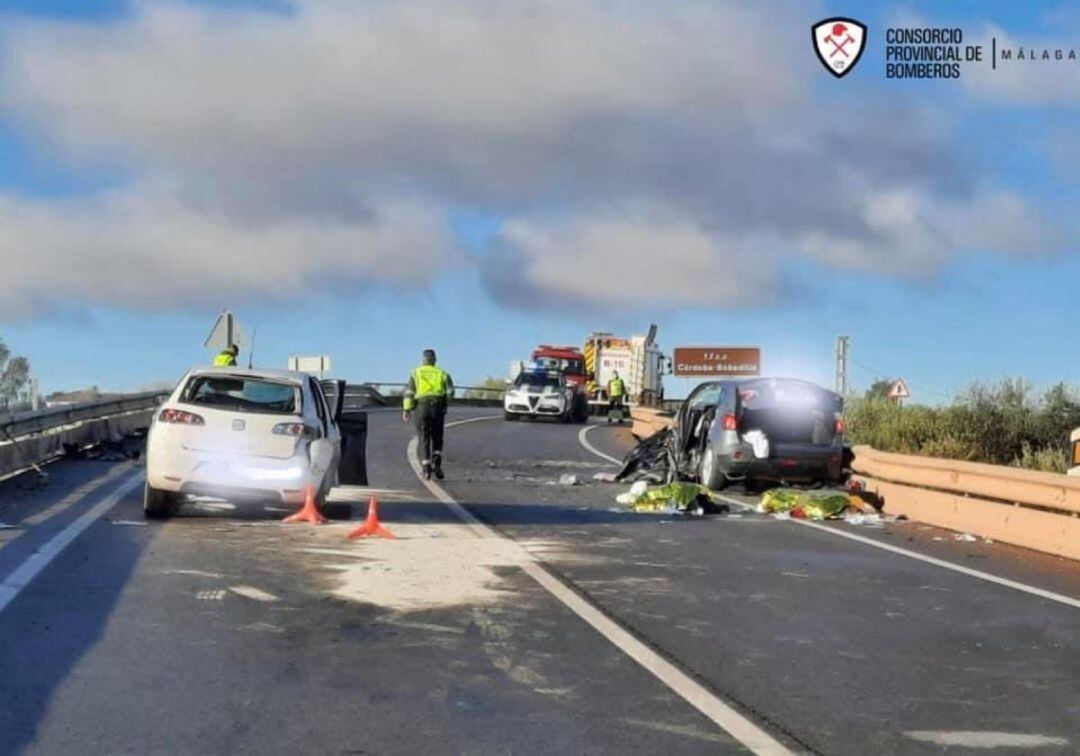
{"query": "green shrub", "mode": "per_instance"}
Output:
(1004, 424)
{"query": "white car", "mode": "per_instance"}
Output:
(242, 434)
(539, 393)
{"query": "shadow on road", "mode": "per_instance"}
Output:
(54, 622)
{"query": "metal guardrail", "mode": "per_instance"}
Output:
(1026, 508)
(25, 423)
(389, 395)
(29, 439)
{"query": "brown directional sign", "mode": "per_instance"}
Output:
(711, 362)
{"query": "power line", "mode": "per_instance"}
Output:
(879, 375)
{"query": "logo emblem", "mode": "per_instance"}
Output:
(839, 43)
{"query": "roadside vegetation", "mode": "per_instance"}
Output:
(1003, 424)
(14, 380)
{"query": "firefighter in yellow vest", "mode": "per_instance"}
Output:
(227, 357)
(616, 390)
(427, 394)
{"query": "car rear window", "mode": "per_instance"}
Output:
(243, 394)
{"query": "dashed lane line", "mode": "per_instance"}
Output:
(735, 724)
(40, 559)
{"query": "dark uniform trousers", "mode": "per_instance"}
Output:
(430, 414)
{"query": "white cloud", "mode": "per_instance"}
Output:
(143, 247)
(1027, 82)
(648, 258)
(659, 140)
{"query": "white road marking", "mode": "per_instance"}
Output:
(210, 595)
(199, 573)
(589, 447)
(727, 718)
(39, 560)
(1040, 592)
(985, 739)
(77, 495)
(251, 592)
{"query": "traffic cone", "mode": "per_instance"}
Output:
(371, 526)
(309, 512)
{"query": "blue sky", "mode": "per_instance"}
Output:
(973, 308)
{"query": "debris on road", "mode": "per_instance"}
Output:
(809, 505)
(133, 523)
(966, 537)
(605, 477)
(679, 497)
(5, 526)
(652, 459)
(568, 479)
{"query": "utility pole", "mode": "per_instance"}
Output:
(842, 345)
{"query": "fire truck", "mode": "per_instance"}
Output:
(637, 359)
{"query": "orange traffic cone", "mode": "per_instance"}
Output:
(309, 512)
(371, 526)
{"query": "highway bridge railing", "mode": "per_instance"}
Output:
(30, 439)
(390, 395)
(1036, 510)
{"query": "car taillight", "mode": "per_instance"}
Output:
(294, 429)
(180, 417)
(729, 422)
(840, 427)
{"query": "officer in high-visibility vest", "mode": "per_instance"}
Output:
(427, 393)
(616, 390)
(227, 357)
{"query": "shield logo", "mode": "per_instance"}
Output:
(839, 43)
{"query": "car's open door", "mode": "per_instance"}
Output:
(353, 423)
(335, 394)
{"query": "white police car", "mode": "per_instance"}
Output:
(539, 393)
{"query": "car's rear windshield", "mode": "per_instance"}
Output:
(775, 393)
(243, 394)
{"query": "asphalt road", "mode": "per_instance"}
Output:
(221, 631)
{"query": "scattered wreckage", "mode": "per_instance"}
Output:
(761, 431)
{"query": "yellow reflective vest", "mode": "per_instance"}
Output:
(426, 382)
(616, 387)
(225, 358)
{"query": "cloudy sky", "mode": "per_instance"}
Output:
(364, 179)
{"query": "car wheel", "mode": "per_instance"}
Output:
(710, 474)
(157, 504)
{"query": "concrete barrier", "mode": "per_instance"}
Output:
(33, 438)
(1026, 508)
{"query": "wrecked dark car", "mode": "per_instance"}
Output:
(760, 430)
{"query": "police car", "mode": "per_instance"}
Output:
(539, 393)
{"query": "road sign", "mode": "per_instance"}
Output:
(710, 362)
(316, 365)
(899, 390)
(225, 331)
